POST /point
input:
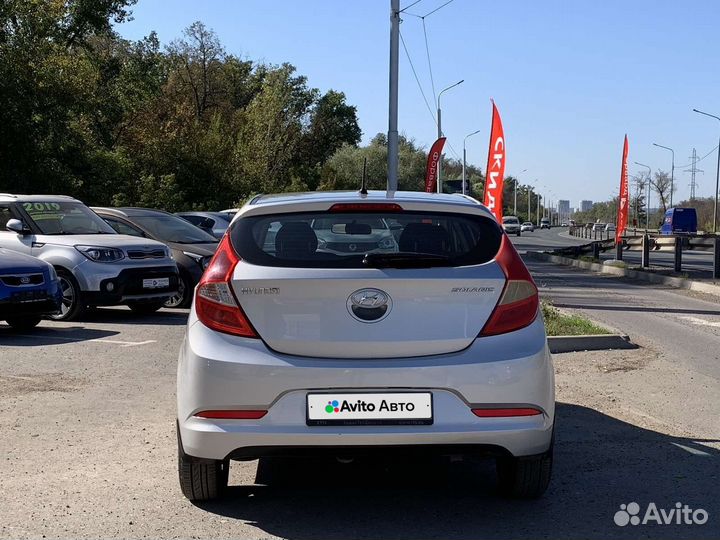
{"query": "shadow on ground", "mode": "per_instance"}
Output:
(123, 315)
(43, 335)
(600, 463)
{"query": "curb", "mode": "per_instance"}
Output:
(603, 342)
(680, 283)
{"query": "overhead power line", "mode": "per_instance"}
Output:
(429, 12)
(427, 50)
(417, 79)
(438, 8)
(698, 160)
(411, 5)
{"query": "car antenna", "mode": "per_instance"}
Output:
(363, 186)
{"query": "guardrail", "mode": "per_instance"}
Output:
(645, 243)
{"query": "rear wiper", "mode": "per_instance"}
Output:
(405, 260)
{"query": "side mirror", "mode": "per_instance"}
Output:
(17, 226)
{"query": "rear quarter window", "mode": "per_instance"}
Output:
(341, 240)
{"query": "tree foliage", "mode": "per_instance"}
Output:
(662, 185)
(89, 114)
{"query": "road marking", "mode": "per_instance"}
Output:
(98, 340)
(124, 343)
(701, 322)
(693, 451)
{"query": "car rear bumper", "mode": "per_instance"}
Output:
(222, 372)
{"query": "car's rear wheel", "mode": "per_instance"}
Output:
(518, 233)
(145, 308)
(72, 303)
(183, 297)
(525, 477)
(23, 323)
(202, 479)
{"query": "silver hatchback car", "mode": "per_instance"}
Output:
(437, 345)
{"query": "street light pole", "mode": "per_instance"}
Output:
(516, 183)
(465, 158)
(672, 170)
(647, 203)
(717, 174)
(439, 131)
(529, 216)
(393, 152)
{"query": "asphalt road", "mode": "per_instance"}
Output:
(88, 449)
(698, 265)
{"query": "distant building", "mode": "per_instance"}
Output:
(586, 206)
(563, 210)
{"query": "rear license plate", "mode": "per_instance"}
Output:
(367, 409)
(156, 283)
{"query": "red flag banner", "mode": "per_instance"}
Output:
(496, 167)
(623, 200)
(431, 170)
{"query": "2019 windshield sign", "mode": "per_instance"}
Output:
(65, 218)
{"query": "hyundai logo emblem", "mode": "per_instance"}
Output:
(369, 305)
(24, 280)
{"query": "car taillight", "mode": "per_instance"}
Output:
(518, 305)
(506, 412)
(215, 304)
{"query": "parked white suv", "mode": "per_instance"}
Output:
(95, 265)
(437, 346)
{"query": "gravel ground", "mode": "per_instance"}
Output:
(87, 450)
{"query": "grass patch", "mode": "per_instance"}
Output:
(559, 324)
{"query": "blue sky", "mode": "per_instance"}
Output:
(570, 77)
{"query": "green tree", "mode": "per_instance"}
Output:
(48, 80)
(344, 169)
(661, 184)
(271, 131)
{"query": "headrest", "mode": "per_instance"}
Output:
(294, 240)
(425, 238)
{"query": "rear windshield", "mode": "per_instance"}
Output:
(350, 240)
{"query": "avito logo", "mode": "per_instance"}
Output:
(682, 514)
(335, 406)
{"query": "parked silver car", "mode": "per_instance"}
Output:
(436, 346)
(511, 224)
(95, 266)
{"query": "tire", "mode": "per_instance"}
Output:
(23, 323)
(525, 477)
(72, 303)
(145, 308)
(518, 233)
(202, 479)
(183, 298)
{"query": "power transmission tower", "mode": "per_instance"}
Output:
(693, 170)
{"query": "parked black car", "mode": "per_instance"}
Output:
(215, 223)
(192, 248)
